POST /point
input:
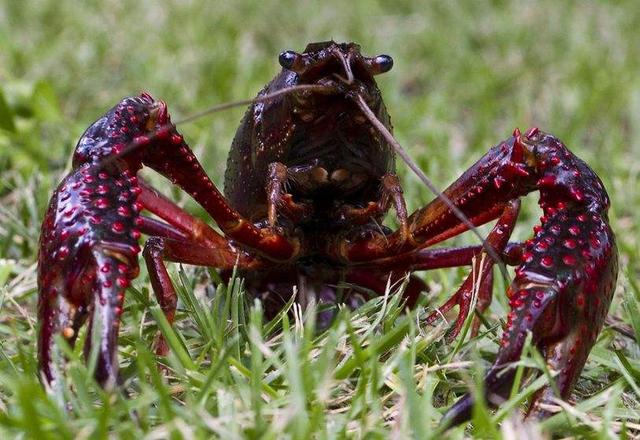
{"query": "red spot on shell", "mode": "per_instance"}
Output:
(577, 194)
(122, 282)
(103, 175)
(106, 268)
(595, 242)
(569, 260)
(102, 189)
(547, 180)
(582, 217)
(124, 211)
(135, 234)
(63, 252)
(569, 243)
(135, 190)
(527, 257)
(107, 283)
(176, 139)
(555, 160)
(547, 261)
(117, 227)
(529, 317)
(117, 148)
(574, 230)
(123, 269)
(163, 133)
(101, 203)
(542, 246)
(141, 140)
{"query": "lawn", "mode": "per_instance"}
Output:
(466, 73)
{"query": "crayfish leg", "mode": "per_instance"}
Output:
(480, 280)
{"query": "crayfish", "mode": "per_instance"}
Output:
(309, 179)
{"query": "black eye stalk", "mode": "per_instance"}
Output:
(384, 63)
(379, 64)
(287, 58)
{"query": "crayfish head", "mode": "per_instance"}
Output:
(120, 132)
(340, 68)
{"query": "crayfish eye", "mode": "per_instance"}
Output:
(287, 58)
(382, 63)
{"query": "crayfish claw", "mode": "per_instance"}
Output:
(564, 283)
(89, 241)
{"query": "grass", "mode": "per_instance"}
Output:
(466, 73)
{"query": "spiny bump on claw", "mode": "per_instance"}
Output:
(548, 180)
(516, 169)
(517, 154)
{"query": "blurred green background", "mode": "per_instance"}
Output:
(466, 73)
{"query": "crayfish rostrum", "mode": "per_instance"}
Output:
(308, 181)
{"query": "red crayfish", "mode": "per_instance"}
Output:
(310, 176)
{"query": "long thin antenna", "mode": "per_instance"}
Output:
(263, 98)
(427, 182)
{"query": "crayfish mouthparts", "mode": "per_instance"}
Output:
(308, 182)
